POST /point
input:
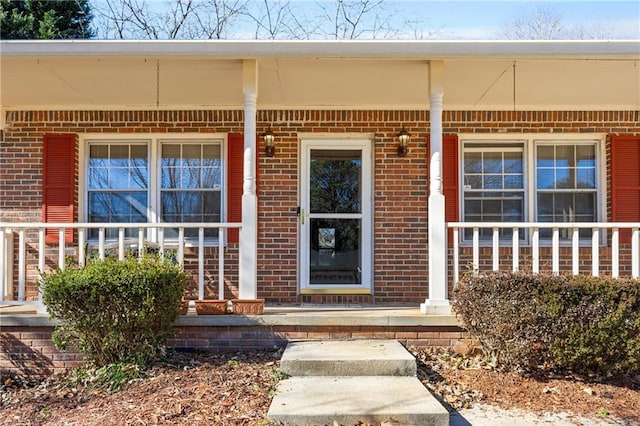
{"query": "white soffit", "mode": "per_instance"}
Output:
(140, 82)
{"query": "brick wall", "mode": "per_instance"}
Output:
(29, 350)
(400, 184)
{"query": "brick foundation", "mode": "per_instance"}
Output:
(29, 350)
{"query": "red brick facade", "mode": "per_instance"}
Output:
(399, 187)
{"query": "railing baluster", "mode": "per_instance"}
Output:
(615, 253)
(141, 243)
(101, 232)
(4, 268)
(496, 249)
(476, 250)
(515, 254)
(61, 248)
(595, 252)
(456, 254)
(535, 250)
(82, 250)
(41, 260)
(555, 251)
(220, 264)
(21, 265)
(200, 263)
(635, 252)
(181, 246)
(161, 241)
(575, 251)
(121, 243)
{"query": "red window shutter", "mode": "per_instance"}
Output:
(58, 183)
(625, 181)
(235, 165)
(449, 178)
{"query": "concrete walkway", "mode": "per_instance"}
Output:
(353, 383)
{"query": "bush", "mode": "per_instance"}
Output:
(113, 310)
(536, 322)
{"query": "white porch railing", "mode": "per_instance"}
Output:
(146, 233)
(520, 229)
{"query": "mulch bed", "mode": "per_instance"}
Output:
(236, 389)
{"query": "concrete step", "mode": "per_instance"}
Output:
(363, 400)
(347, 358)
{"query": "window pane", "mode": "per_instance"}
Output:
(474, 181)
(513, 182)
(492, 182)
(98, 178)
(513, 162)
(564, 178)
(473, 162)
(586, 178)
(170, 155)
(492, 162)
(190, 178)
(545, 179)
(586, 205)
(98, 155)
(211, 212)
(585, 156)
(545, 204)
(545, 157)
(565, 156)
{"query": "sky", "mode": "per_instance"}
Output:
(480, 19)
(456, 19)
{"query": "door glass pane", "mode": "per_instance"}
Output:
(335, 252)
(335, 181)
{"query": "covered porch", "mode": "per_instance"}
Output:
(311, 91)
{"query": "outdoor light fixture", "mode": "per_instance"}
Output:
(269, 137)
(404, 137)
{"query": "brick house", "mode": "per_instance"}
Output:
(321, 172)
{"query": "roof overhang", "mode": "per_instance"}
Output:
(478, 75)
(371, 49)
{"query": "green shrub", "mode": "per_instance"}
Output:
(542, 321)
(113, 310)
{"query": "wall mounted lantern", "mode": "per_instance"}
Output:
(404, 137)
(269, 138)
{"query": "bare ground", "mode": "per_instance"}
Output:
(236, 389)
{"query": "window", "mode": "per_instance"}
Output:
(530, 180)
(566, 185)
(191, 176)
(493, 186)
(165, 180)
(118, 185)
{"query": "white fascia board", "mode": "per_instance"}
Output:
(392, 49)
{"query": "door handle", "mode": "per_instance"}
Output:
(302, 214)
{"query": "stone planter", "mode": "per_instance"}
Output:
(211, 307)
(248, 306)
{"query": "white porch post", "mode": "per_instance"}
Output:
(437, 303)
(248, 265)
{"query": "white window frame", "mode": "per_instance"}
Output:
(531, 140)
(153, 142)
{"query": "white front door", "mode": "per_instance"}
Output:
(335, 217)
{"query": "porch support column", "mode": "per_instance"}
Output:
(248, 265)
(437, 303)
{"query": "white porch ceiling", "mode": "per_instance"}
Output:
(137, 81)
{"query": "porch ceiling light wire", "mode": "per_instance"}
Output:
(158, 84)
(514, 85)
(494, 83)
